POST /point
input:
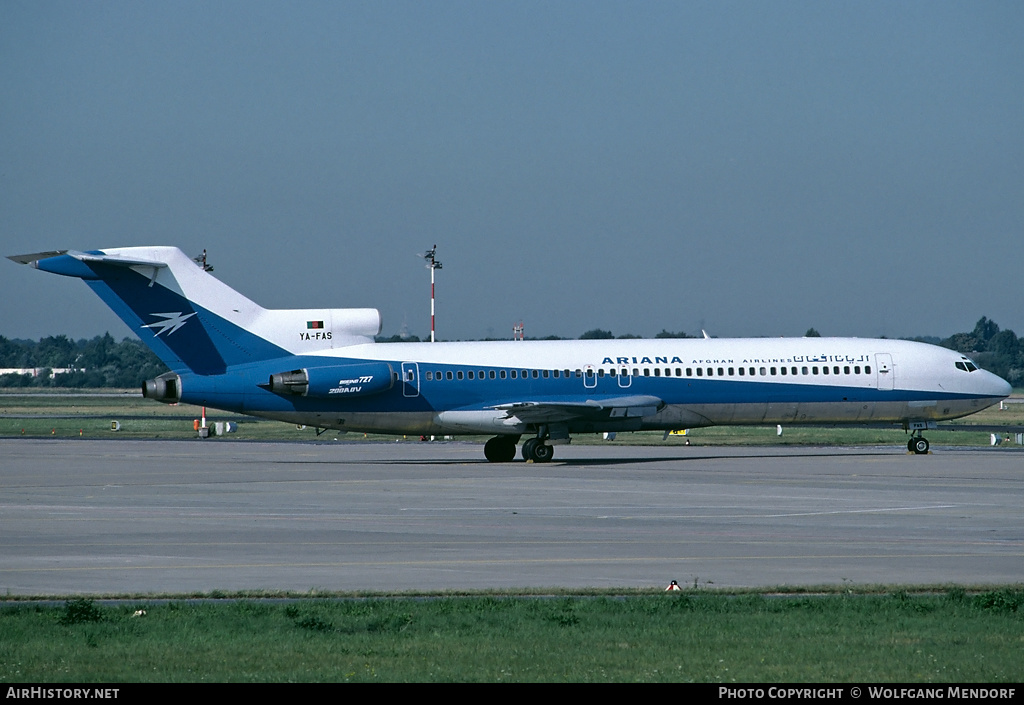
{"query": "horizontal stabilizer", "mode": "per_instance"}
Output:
(35, 257)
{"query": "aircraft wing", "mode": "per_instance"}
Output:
(598, 408)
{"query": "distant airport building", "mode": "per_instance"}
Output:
(38, 371)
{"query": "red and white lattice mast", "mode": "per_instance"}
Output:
(432, 264)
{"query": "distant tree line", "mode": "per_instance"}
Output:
(103, 362)
(594, 334)
(998, 351)
(100, 362)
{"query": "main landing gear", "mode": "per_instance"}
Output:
(538, 451)
(502, 449)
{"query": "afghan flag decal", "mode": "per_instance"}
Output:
(312, 325)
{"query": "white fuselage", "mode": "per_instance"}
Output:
(702, 382)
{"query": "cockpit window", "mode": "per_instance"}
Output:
(966, 365)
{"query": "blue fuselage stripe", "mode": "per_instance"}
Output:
(465, 394)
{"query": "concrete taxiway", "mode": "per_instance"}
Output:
(98, 517)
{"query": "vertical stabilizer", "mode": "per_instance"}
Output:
(188, 318)
(195, 322)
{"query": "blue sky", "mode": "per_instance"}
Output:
(749, 168)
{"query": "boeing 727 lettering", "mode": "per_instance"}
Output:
(322, 368)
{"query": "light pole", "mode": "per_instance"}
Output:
(432, 263)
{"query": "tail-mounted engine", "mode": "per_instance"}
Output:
(335, 382)
(165, 388)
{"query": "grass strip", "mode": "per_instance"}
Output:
(696, 636)
(83, 415)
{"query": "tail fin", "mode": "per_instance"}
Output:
(193, 321)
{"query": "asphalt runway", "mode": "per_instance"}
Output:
(101, 517)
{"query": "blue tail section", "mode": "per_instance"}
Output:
(182, 334)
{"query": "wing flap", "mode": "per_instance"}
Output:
(598, 408)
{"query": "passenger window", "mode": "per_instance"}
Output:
(471, 375)
(742, 371)
(783, 371)
(501, 373)
(824, 370)
(459, 374)
(700, 372)
(846, 370)
(763, 372)
(867, 369)
(449, 375)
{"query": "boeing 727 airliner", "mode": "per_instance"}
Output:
(322, 368)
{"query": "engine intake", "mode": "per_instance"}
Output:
(165, 388)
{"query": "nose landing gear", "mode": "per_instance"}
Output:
(918, 445)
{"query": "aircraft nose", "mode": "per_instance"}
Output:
(994, 386)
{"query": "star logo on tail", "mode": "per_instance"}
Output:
(171, 322)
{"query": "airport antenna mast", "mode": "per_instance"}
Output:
(432, 264)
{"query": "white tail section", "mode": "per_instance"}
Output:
(297, 331)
